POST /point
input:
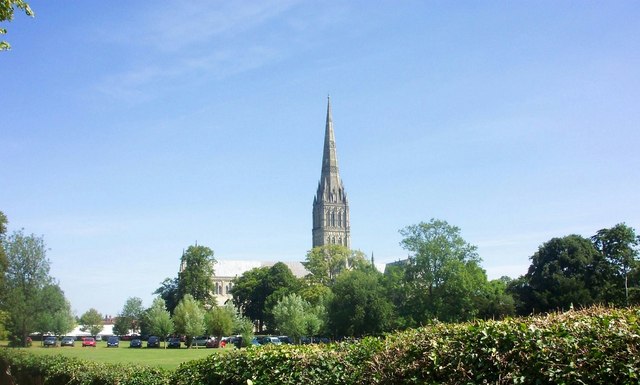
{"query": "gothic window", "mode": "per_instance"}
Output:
(339, 219)
(333, 218)
(340, 241)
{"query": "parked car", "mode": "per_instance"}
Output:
(215, 343)
(68, 341)
(174, 343)
(113, 342)
(50, 341)
(270, 341)
(285, 339)
(153, 342)
(88, 341)
(135, 343)
(200, 341)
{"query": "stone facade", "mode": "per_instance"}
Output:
(330, 204)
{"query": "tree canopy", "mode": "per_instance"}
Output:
(195, 277)
(7, 10)
(91, 321)
(189, 318)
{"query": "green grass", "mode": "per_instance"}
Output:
(163, 358)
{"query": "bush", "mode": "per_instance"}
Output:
(593, 346)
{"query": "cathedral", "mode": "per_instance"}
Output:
(330, 205)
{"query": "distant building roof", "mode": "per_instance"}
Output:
(233, 268)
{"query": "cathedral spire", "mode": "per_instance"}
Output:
(330, 205)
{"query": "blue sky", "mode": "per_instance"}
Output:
(131, 129)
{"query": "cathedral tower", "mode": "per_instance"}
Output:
(330, 205)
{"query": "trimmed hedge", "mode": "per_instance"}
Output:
(592, 346)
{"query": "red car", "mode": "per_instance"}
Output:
(88, 341)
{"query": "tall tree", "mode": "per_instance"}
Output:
(359, 306)
(55, 311)
(7, 8)
(189, 318)
(219, 321)
(559, 275)
(91, 321)
(130, 317)
(443, 275)
(168, 291)
(256, 291)
(195, 276)
(3, 257)
(27, 274)
(619, 246)
(326, 262)
(158, 320)
(295, 317)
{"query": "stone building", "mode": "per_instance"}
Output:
(330, 204)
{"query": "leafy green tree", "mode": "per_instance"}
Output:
(442, 277)
(256, 291)
(248, 293)
(168, 291)
(189, 318)
(158, 320)
(55, 311)
(495, 302)
(219, 320)
(559, 275)
(359, 306)
(196, 273)
(3, 256)
(244, 327)
(619, 247)
(7, 8)
(130, 317)
(326, 262)
(91, 321)
(315, 293)
(295, 317)
(26, 276)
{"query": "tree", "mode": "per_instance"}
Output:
(55, 311)
(495, 302)
(326, 262)
(295, 317)
(6, 14)
(244, 327)
(130, 317)
(559, 276)
(26, 276)
(195, 277)
(359, 306)
(158, 320)
(3, 257)
(443, 277)
(619, 247)
(219, 321)
(91, 321)
(256, 291)
(168, 291)
(189, 318)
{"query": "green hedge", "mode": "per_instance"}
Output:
(593, 346)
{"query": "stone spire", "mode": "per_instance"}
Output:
(330, 205)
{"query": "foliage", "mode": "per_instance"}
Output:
(219, 320)
(295, 317)
(592, 346)
(443, 278)
(130, 318)
(244, 327)
(256, 291)
(168, 291)
(559, 276)
(189, 318)
(25, 278)
(91, 321)
(195, 276)
(619, 247)
(158, 320)
(55, 312)
(326, 262)
(6, 14)
(359, 306)
(3, 257)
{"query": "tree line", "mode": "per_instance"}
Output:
(343, 295)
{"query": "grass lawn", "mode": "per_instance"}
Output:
(163, 358)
